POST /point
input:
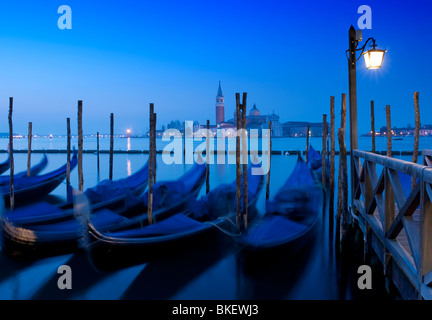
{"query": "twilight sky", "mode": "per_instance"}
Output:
(289, 56)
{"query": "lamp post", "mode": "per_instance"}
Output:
(373, 60)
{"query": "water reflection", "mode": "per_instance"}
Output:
(128, 167)
(128, 144)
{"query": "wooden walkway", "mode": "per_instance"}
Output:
(396, 222)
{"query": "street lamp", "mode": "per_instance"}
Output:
(373, 60)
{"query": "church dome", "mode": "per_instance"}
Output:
(254, 111)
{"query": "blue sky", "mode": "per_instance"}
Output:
(288, 56)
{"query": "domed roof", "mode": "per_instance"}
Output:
(254, 111)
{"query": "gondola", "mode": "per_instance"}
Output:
(5, 165)
(315, 163)
(58, 231)
(291, 216)
(106, 194)
(32, 188)
(207, 218)
(34, 170)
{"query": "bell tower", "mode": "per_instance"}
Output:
(220, 106)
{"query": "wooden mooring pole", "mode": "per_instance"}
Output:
(332, 162)
(208, 157)
(342, 197)
(245, 163)
(80, 148)
(307, 144)
(68, 152)
(154, 146)
(11, 158)
(97, 155)
(416, 134)
(323, 153)
(389, 133)
(111, 158)
(151, 167)
(373, 126)
(269, 160)
(29, 148)
(238, 167)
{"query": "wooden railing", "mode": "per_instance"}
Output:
(427, 158)
(397, 221)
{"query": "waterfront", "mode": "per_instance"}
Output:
(203, 274)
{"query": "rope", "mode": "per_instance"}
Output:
(231, 234)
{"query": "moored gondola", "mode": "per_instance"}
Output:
(315, 163)
(32, 188)
(58, 231)
(291, 216)
(34, 170)
(5, 165)
(208, 218)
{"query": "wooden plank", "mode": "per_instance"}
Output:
(409, 208)
(426, 212)
(368, 187)
(389, 202)
(402, 166)
(402, 258)
(413, 238)
(427, 161)
(428, 190)
(403, 281)
(397, 188)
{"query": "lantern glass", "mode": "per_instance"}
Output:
(374, 58)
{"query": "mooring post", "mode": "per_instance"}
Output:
(11, 158)
(344, 187)
(80, 147)
(208, 157)
(111, 158)
(332, 162)
(342, 157)
(150, 174)
(68, 152)
(29, 148)
(245, 163)
(269, 161)
(373, 125)
(97, 157)
(307, 144)
(416, 134)
(323, 153)
(154, 146)
(238, 167)
(389, 133)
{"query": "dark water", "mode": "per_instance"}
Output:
(218, 272)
